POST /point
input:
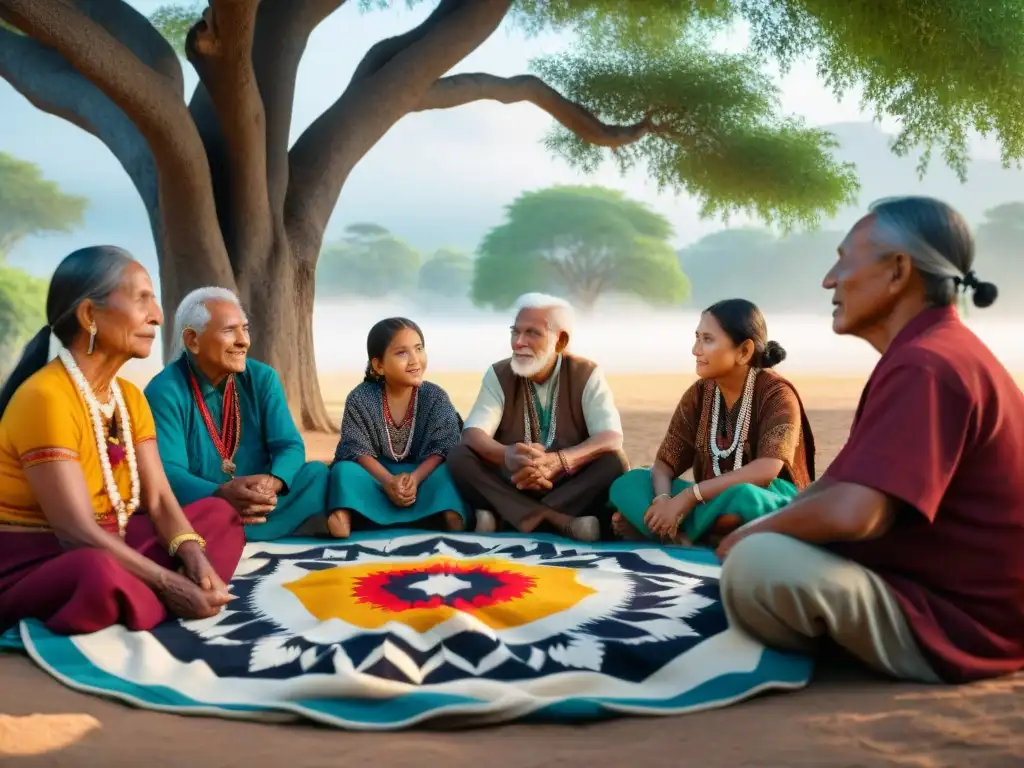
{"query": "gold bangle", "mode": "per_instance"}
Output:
(697, 494)
(662, 496)
(181, 538)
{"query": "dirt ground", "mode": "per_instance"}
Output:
(845, 718)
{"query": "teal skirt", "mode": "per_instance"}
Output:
(633, 493)
(353, 488)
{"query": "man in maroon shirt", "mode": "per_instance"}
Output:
(909, 551)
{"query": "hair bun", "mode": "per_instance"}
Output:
(984, 294)
(773, 354)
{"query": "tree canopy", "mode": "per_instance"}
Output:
(369, 262)
(31, 205)
(776, 273)
(447, 273)
(233, 200)
(22, 312)
(582, 242)
(1000, 254)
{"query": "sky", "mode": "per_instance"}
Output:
(437, 179)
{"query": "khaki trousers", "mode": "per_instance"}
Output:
(788, 594)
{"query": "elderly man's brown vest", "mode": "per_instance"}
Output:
(570, 428)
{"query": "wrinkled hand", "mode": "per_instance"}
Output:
(267, 484)
(522, 455)
(251, 496)
(188, 600)
(531, 479)
(540, 475)
(665, 514)
(195, 566)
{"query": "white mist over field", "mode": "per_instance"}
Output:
(622, 339)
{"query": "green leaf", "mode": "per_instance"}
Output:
(718, 136)
(22, 312)
(174, 20)
(31, 205)
(941, 68)
(581, 242)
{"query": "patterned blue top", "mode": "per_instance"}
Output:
(437, 430)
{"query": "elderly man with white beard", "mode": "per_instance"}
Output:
(543, 442)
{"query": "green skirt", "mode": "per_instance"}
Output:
(633, 493)
(353, 488)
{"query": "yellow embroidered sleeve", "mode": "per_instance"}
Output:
(43, 424)
(678, 446)
(143, 424)
(779, 429)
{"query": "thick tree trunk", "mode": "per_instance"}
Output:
(230, 203)
(279, 301)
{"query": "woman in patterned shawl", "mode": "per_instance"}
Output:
(741, 429)
(395, 435)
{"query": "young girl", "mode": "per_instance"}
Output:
(742, 430)
(395, 434)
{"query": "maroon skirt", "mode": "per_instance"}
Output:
(77, 591)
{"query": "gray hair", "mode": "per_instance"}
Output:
(938, 241)
(559, 311)
(193, 314)
(91, 274)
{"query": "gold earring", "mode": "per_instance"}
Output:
(92, 338)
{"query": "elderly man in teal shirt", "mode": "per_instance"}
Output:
(223, 425)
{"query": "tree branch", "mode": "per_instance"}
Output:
(45, 78)
(133, 29)
(219, 46)
(282, 32)
(390, 83)
(456, 90)
(147, 98)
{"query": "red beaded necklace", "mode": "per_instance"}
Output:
(408, 411)
(227, 440)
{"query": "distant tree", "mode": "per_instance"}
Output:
(369, 262)
(582, 242)
(775, 273)
(1000, 255)
(22, 312)
(447, 273)
(237, 196)
(31, 205)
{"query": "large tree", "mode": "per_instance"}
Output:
(231, 203)
(32, 205)
(581, 242)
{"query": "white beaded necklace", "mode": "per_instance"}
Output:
(742, 426)
(411, 423)
(121, 509)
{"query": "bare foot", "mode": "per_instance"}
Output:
(586, 529)
(453, 521)
(339, 523)
(625, 529)
(485, 521)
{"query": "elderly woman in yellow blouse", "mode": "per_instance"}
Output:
(90, 533)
